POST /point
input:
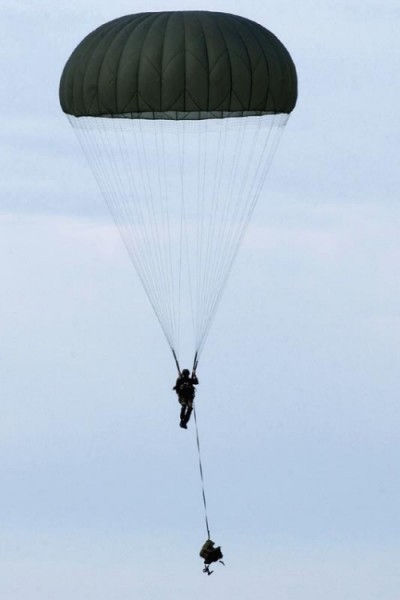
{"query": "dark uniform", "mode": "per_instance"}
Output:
(184, 387)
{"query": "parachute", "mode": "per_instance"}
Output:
(179, 115)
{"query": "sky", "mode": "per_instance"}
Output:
(299, 381)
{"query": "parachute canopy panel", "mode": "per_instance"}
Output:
(179, 65)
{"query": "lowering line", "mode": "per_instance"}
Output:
(195, 363)
(201, 473)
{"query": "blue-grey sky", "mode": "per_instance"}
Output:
(298, 403)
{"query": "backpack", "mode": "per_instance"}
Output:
(209, 553)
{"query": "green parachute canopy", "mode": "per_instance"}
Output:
(179, 65)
